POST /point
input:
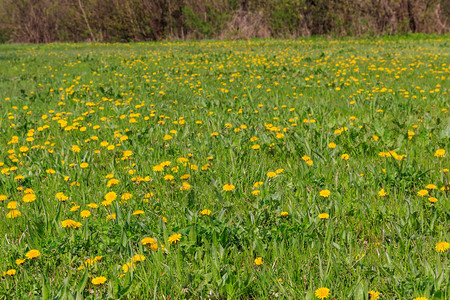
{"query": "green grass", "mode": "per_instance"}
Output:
(296, 97)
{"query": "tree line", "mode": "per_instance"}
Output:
(43, 21)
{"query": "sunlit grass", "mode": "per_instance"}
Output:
(225, 169)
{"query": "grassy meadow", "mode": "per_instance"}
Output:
(260, 169)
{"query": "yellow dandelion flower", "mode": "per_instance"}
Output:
(138, 258)
(205, 212)
(98, 280)
(324, 216)
(271, 174)
(32, 254)
(440, 153)
(442, 246)
(325, 193)
(431, 187)
(228, 187)
(185, 186)
(158, 168)
(422, 193)
(432, 200)
(85, 214)
(93, 205)
(111, 196)
(174, 238)
(322, 293)
(29, 198)
(373, 295)
(13, 214)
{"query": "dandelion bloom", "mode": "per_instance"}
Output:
(325, 193)
(148, 240)
(126, 196)
(185, 186)
(32, 254)
(70, 223)
(324, 216)
(174, 238)
(258, 261)
(382, 193)
(127, 153)
(422, 193)
(106, 203)
(256, 147)
(322, 293)
(126, 267)
(421, 298)
(374, 295)
(284, 213)
(431, 187)
(75, 148)
(89, 262)
(331, 145)
(29, 198)
(19, 261)
(169, 177)
(228, 187)
(205, 212)
(112, 182)
(13, 214)
(12, 205)
(442, 247)
(60, 196)
(111, 196)
(11, 272)
(85, 214)
(255, 192)
(98, 280)
(84, 165)
(138, 212)
(158, 168)
(440, 153)
(257, 184)
(271, 174)
(432, 200)
(138, 257)
(345, 156)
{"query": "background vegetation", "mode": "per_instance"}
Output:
(43, 21)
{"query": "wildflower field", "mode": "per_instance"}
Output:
(302, 169)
